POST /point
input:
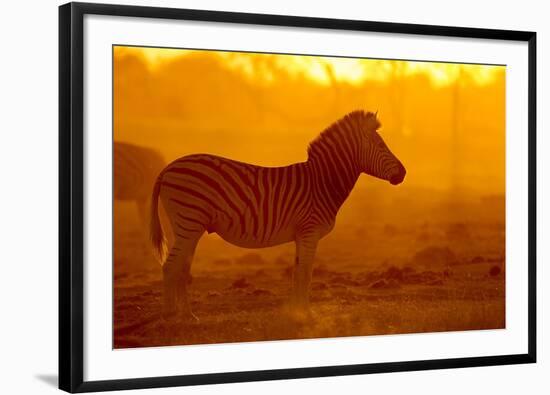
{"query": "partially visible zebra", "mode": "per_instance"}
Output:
(252, 206)
(135, 170)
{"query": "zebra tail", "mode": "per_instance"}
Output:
(157, 235)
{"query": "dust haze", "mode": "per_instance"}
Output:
(426, 256)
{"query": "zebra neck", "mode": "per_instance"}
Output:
(333, 182)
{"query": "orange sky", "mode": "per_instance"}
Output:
(446, 122)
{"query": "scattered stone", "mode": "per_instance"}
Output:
(477, 259)
(320, 270)
(394, 273)
(366, 278)
(260, 273)
(384, 284)
(240, 283)
(260, 292)
(407, 270)
(317, 286)
(423, 277)
(342, 280)
(435, 256)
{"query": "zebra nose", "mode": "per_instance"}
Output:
(399, 175)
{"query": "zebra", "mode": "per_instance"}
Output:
(252, 206)
(135, 169)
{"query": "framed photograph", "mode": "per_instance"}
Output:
(251, 197)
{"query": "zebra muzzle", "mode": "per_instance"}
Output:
(398, 177)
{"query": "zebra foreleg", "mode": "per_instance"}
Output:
(305, 255)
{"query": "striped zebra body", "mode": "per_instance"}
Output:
(249, 206)
(254, 207)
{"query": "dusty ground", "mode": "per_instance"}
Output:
(407, 267)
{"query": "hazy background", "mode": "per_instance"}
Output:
(445, 121)
(427, 255)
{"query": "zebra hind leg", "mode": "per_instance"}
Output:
(177, 276)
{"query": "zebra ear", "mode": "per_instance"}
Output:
(372, 123)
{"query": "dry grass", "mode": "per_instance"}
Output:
(441, 275)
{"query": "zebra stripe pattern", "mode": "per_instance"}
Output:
(253, 207)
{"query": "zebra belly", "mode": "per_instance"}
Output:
(252, 241)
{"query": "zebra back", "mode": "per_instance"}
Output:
(135, 170)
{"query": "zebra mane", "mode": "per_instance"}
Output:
(354, 123)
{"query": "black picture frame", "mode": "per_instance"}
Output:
(71, 195)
